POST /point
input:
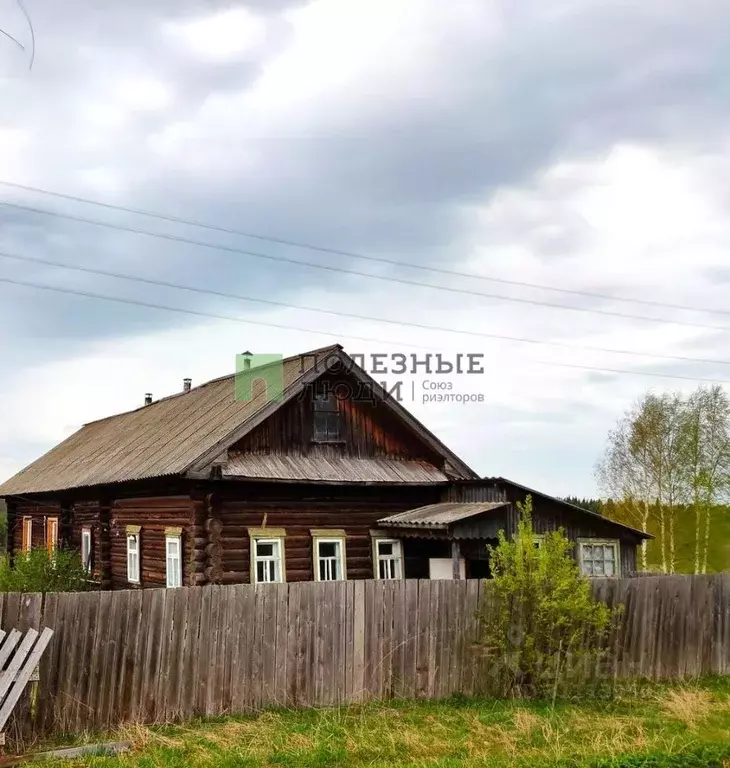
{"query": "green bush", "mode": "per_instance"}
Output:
(541, 626)
(40, 571)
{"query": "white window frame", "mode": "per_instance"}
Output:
(86, 548)
(27, 534)
(173, 562)
(133, 556)
(274, 536)
(582, 543)
(538, 540)
(275, 560)
(396, 560)
(325, 536)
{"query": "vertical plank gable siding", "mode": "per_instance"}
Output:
(369, 430)
(161, 655)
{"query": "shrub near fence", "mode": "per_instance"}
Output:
(161, 655)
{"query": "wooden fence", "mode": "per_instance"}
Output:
(162, 655)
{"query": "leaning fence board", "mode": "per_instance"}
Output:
(24, 672)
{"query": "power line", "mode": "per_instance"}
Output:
(342, 270)
(421, 326)
(353, 254)
(197, 313)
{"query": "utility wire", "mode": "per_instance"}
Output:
(342, 270)
(354, 255)
(369, 318)
(197, 313)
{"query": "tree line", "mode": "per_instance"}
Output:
(666, 470)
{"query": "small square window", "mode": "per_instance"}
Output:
(598, 558)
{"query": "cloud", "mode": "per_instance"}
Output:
(578, 145)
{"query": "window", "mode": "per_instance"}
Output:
(133, 554)
(267, 565)
(267, 555)
(27, 533)
(388, 558)
(51, 534)
(599, 558)
(329, 555)
(326, 419)
(86, 549)
(538, 541)
(173, 558)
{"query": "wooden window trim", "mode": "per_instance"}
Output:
(333, 535)
(26, 534)
(175, 535)
(131, 533)
(282, 556)
(378, 539)
(328, 404)
(615, 543)
(51, 534)
(267, 533)
(86, 532)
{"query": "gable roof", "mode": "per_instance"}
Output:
(185, 433)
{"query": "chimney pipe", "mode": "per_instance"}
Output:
(246, 360)
(148, 398)
(186, 385)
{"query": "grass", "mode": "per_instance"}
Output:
(650, 725)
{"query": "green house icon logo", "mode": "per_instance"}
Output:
(259, 373)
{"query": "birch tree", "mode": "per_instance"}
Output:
(707, 461)
(625, 470)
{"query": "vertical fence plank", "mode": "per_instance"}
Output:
(281, 645)
(245, 693)
(358, 632)
(292, 644)
(48, 683)
(202, 650)
(101, 651)
(187, 698)
(174, 669)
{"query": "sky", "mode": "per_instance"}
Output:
(547, 173)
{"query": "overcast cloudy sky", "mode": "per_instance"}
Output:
(579, 145)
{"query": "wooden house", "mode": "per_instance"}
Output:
(304, 469)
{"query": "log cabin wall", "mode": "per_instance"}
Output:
(88, 514)
(369, 429)
(356, 510)
(549, 515)
(154, 515)
(39, 511)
